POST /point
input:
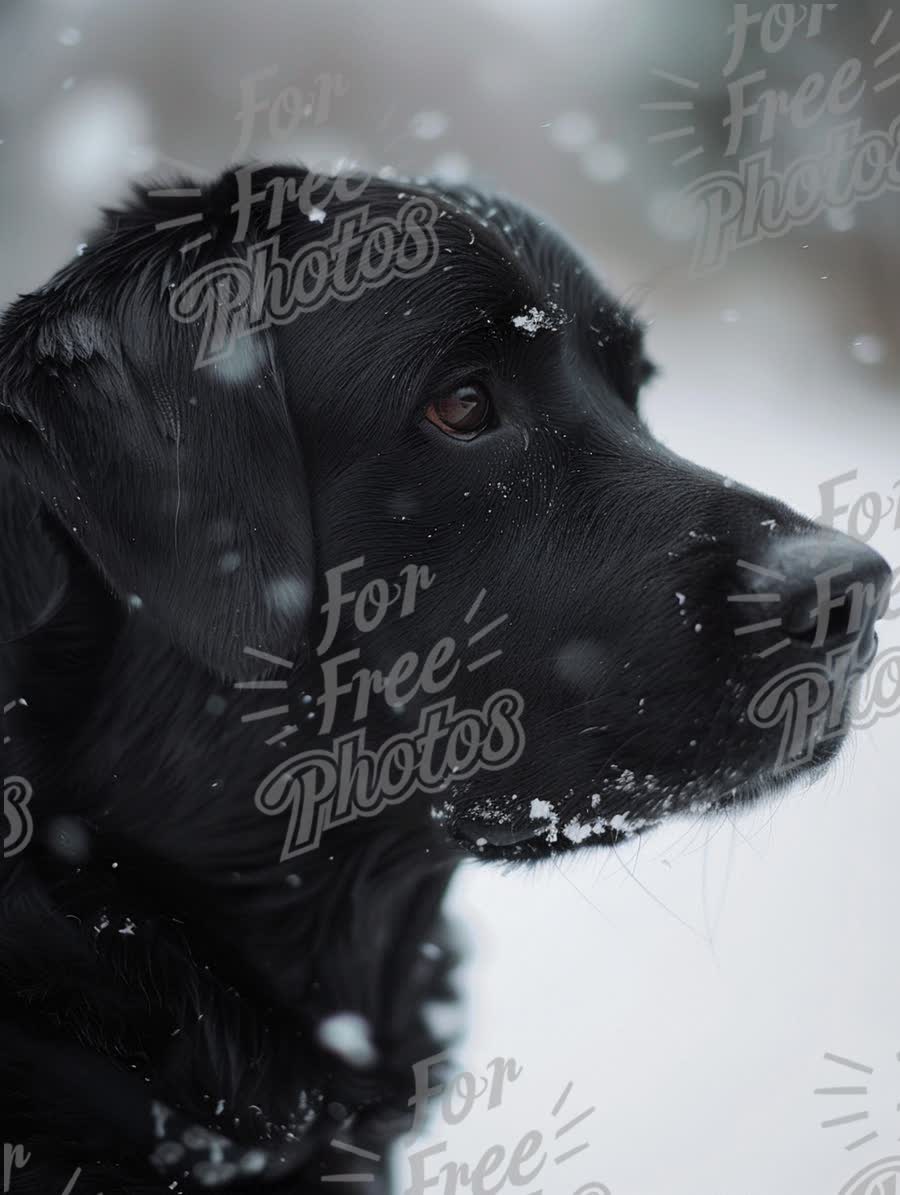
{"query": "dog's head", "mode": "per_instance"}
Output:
(411, 476)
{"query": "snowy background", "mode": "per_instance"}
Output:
(687, 987)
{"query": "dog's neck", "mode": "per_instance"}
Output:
(154, 872)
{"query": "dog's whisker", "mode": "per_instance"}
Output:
(712, 826)
(690, 833)
(771, 818)
(656, 900)
(712, 918)
(737, 830)
(583, 895)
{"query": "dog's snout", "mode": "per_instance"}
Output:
(818, 589)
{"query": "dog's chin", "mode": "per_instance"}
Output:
(523, 837)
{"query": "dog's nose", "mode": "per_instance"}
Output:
(819, 589)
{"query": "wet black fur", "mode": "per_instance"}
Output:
(125, 471)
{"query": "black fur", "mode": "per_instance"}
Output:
(155, 947)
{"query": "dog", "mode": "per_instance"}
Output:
(311, 593)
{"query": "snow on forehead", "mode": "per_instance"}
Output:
(550, 317)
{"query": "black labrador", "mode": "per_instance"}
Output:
(335, 550)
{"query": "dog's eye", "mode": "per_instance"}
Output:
(462, 413)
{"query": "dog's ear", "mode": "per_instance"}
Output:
(185, 486)
(35, 570)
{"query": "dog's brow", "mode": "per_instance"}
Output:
(469, 304)
(613, 325)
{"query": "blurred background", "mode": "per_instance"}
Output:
(689, 986)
